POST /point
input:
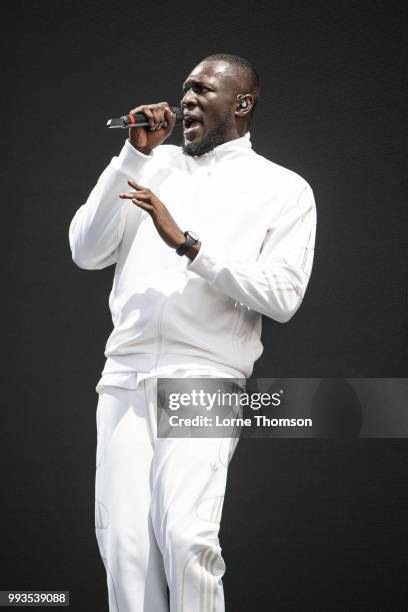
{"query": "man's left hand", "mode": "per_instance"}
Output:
(166, 226)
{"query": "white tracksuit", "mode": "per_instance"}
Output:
(158, 501)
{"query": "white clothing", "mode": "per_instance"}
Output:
(256, 222)
(159, 501)
(158, 505)
(113, 375)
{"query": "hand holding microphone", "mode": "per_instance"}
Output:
(149, 125)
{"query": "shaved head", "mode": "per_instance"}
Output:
(244, 75)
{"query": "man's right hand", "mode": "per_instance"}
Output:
(161, 124)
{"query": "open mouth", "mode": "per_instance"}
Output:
(191, 124)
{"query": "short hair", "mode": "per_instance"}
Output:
(242, 66)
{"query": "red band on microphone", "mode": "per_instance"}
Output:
(132, 119)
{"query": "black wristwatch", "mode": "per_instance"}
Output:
(191, 240)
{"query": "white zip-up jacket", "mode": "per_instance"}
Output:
(256, 222)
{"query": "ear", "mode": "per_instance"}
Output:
(245, 103)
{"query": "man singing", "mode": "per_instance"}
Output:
(206, 238)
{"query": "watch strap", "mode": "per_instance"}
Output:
(189, 242)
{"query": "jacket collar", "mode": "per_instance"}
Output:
(244, 142)
(232, 146)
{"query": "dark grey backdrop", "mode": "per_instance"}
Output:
(308, 524)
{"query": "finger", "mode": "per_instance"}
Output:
(162, 108)
(135, 194)
(134, 184)
(146, 112)
(158, 117)
(143, 195)
(169, 116)
(144, 205)
(127, 196)
(154, 113)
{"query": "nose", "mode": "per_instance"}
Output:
(188, 100)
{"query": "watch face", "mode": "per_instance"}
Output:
(193, 236)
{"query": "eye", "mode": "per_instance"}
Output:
(196, 88)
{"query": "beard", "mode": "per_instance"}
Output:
(214, 138)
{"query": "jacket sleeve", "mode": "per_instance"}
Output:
(275, 283)
(97, 227)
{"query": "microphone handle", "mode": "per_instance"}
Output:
(138, 120)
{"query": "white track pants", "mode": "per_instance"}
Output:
(158, 505)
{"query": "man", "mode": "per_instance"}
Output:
(205, 237)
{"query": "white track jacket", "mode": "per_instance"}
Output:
(256, 222)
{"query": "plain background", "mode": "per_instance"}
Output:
(307, 524)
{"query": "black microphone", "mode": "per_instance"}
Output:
(139, 120)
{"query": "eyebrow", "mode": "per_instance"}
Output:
(187, 84)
